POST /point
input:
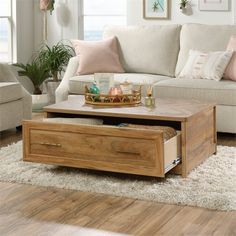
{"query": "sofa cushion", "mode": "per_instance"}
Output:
(222, 93)
(147, 49)
(204, 38)
(77, 83)
(10, 92)
(11, 114)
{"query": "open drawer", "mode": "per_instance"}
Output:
(108, 148)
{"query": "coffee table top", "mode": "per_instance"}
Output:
(166, 109)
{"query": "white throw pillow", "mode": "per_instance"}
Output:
(202, 65)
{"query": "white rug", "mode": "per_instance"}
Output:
(212, 185)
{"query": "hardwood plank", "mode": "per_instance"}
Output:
(222, 223)
(62, 210)
(178, 224)
(140, 218)
(226, 139)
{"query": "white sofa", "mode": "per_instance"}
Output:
(157, 54)
(15, 101)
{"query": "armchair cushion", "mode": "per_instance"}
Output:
(10, 92)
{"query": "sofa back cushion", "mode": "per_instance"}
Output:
(204, 38)
(147, 49)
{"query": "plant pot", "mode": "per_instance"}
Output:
(183, 9)
(51, 87)
(39, 101)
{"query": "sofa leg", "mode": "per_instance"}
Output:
(19, 128)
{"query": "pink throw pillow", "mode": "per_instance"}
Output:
(98, 56)
(230, 72)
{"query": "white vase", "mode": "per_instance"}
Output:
(39, 101)
(51, 88)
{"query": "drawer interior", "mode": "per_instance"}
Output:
(172, 152)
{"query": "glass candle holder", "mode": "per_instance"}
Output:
(126, 87)
(115, 91)
(150, 101)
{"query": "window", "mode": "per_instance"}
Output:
(99, 13)
(5, 31)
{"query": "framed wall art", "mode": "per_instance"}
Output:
(213, 5)
(156, 9)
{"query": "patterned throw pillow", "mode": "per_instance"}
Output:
(202, 65)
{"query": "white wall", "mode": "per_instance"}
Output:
(64, 21)
(135, 14)
(28, 25)
(28, 28)
(62, 24)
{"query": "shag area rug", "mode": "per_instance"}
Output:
(211, 185)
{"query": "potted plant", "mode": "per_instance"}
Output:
(56, 59)
(183, 4)
(37, 72)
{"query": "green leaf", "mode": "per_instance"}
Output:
(56, 57)
(36, 71)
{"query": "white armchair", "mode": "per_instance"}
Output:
(15, 101)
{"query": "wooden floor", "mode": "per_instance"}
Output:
(30, 210)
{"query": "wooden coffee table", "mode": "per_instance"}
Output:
(112, 148)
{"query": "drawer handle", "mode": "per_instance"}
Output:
(128, 152)
(49, 144)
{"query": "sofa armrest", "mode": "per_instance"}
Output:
(27, 104)
(62, 91)
(7, 75)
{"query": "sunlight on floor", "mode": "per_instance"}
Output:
(26, 226)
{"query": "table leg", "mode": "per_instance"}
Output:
(198, 140)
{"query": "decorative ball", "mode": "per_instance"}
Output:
(94, 89)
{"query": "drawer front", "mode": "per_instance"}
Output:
(95, 147)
